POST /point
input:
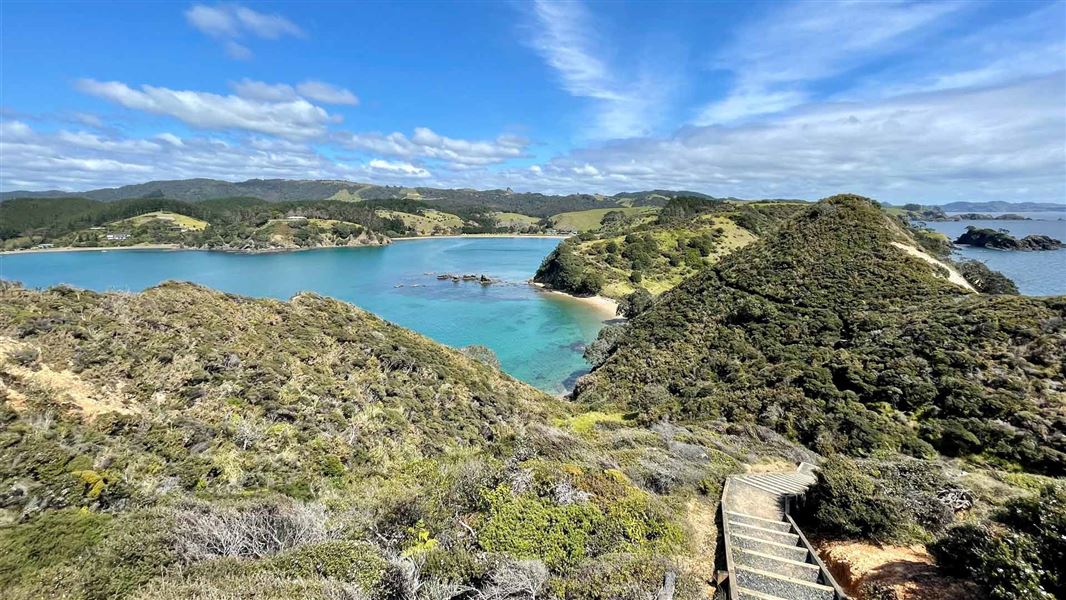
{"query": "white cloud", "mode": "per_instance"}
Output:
(237, 51)
(565, 36)
(425, 143)
(267, 92)
(984, 143)
(230, 22)
(296, 118)
(396, 167)
(326, 93)
(279, 92)
(776, 58)
(170, 138)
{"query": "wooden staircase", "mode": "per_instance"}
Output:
(767, 556)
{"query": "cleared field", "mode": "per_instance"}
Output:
(589, 220)
(507, 219)
(427, 223)
(185, 222)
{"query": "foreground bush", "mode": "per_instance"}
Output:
(845, 502)
(1026, 562)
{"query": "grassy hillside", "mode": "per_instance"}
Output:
(831, 332)
(223, 223)
(514, 220)
(655, 251)
(183, 222)
(427, 221)
(184, 443)
(589, 220)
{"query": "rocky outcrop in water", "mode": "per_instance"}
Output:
(1001, 240)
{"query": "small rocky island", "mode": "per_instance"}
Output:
(1001, 240)
(482, 279)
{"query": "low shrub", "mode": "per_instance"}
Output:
(353, 562)
(845, 502)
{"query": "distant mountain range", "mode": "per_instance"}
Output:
(1002, 206)
(283, 190)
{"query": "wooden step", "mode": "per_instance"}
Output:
(746, 594)
(782, 586)
(775, 564)
(782, 526)
(772, 535)
(797, 553)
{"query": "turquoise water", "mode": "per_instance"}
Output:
(1035, 273)
(537, 336)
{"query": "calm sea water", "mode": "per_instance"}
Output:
(1035, 273)
(537, 336)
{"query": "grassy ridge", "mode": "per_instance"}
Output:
(832, 335)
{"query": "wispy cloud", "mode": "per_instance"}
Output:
(777, 59)
(326, 93)
(425, 143)
(998, 142)
(280, 92)
(231, 22)
(293, 118)
(396, 167)
(565, 36)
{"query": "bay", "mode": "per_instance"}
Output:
(1035, 273)
(537, 336)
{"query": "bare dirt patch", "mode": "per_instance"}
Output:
(909, 571)
(65, 387)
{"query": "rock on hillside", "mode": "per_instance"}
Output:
(832, 332)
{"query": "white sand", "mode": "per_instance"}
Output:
(953, 275)
(94, 248)
(602, 304)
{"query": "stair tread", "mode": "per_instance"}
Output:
(762, 531)
(785, 578)
(797, 563)
(742, 591)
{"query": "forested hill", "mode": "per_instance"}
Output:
(285, 190)
(833, 332)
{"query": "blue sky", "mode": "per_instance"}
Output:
(902, 101)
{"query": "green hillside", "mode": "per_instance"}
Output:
(309, 449)
(654, 249)
(831, 332)
(589, 220)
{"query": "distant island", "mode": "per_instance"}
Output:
(918, 212)
(1001, 240)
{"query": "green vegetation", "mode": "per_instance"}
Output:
(590, 220)
(186, 443)
(427, 221)
(1020, 553)
(636, 250)
(308, 448)
(222, 224)
(828, 333)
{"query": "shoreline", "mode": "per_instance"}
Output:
(271, 250)
(603, 304)
(480, 235)
(93, 249)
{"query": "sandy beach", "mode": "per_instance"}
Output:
(602, 304)
(93, 249)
